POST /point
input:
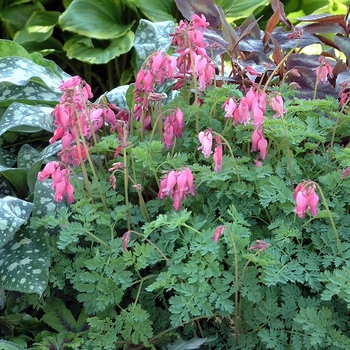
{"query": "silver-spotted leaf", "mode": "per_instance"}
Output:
(14, 212)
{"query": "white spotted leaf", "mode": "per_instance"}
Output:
(14, 212)
(24, 262)
(150, 37)
(43, 199)
(25, 118)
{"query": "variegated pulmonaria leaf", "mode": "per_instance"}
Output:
(117, 96)
(14, 212)
(5, 187)
(20, 70)
(32, 93)
(26, 118)
(27, 157)
(43, 199)
(24, 262)
(7, 159)
(150, 37)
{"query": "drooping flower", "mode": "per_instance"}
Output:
(177, 184)
(306, 198)
(260, 245)
(206, 140)
(276, 104)
(259, 143)
(229, 106)
(217, 156)
(323, 70)
(173, 126)
(218, 232)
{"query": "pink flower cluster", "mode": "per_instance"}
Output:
(75, 118)
(156, 70)
(60, 181)
(177, 184)
(173, 126)
(306, 198)
(206, 140)
(189, 40)
(251, 110)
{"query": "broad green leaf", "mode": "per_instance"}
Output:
(18, 179)
(39, 27)
(150, 37)
(25, 261)
(14, 212)
(7, 345)
(84, 49)
(58, 317)
(240, 8)
(10, 48)
(156, 10)
(25, 118)
(95, 19)
(17, 16)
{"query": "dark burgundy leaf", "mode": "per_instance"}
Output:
(323, 17)
(308, 61)
(250, 44)
(200, 7)
(250, 26)
(344, 45)
(327, 41)
(277, 6)
(307, 81)
(324, 28)
(285, 42)
(217, 43)
(271, 25)
(229, 33)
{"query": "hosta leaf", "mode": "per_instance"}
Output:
(14, 212)
(25, 118)
(85, 50)
(39, 27)
(24, 262)
(17, 15)
(156, 10)
(95, 19)
(240, 8)
(10, 48)
(150, 37)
